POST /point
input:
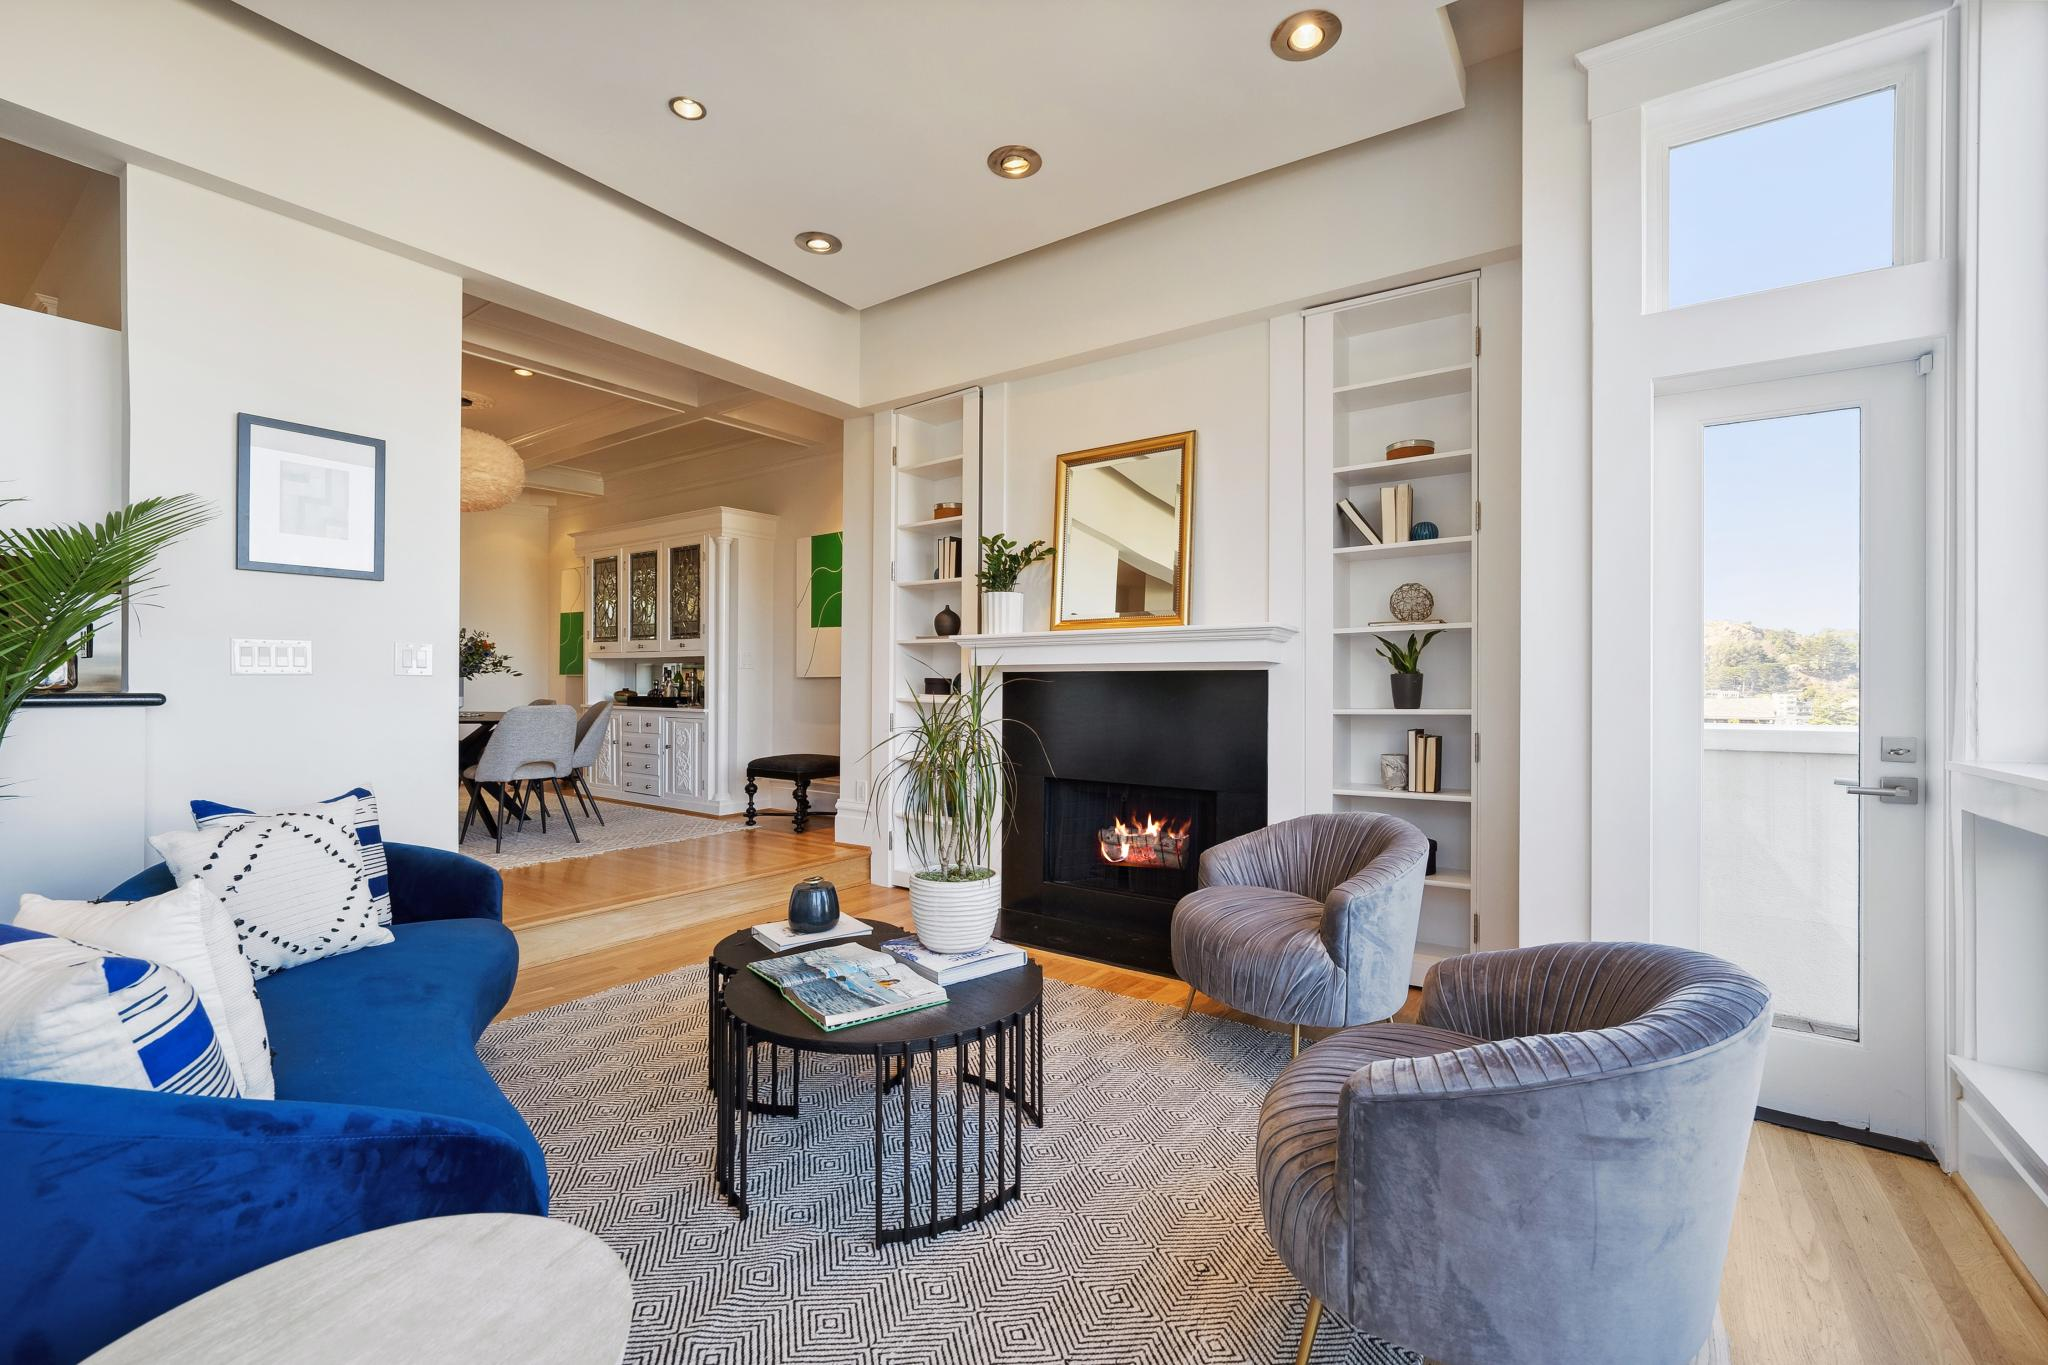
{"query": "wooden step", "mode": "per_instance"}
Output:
(551, 936)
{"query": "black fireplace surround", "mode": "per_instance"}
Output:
(1185, 751)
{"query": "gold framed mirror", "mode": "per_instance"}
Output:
(1121, 521)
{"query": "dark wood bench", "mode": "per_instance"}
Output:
(797, 768)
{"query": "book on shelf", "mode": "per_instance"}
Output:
(950, 968)
(1425, 762)
(846, 984)
(1404, 508)
(947, 557)
(1358, 521)
(778, 937)
(1397, 512)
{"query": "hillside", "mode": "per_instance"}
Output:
(1820, 669)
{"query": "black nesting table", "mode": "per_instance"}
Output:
(989, 1039)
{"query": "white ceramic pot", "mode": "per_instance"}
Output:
(1002, 613)
(955, 917)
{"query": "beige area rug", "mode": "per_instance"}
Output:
(624, 827)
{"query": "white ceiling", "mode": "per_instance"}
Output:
(872, 121)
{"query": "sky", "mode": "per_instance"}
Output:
(1783, 514)
(1799, 198)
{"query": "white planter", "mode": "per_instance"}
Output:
(955, 917)
(1002, 613)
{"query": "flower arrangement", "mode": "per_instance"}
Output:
(478, 656)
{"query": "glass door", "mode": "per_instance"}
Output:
(604, 599)
(1791, 610)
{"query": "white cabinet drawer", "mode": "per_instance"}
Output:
(641, 783)
(640, 744)
(647, 764)
(632, 724)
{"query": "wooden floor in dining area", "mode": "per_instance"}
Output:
(1840, 1253)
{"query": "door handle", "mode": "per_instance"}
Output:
(1892, 791)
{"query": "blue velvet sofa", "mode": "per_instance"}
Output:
(116, 1205)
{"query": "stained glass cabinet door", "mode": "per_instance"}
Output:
(643, 596)
(686, 594)
(604, 600)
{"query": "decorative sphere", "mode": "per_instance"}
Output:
(492, 472)
(1411, 602)
(1422, 530)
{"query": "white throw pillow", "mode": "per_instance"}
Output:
(73, 1013)
(187, 931)
(292, 883)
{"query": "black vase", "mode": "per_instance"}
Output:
(813, 905)
(1407, 690)
(947, 622)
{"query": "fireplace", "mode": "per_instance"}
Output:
(1123, 780)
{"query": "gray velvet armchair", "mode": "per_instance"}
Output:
(1543, 1169)
(1310, 922)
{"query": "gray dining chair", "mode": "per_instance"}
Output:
(531, 746)
(1544, 1168)
(590, 737)
(1310, 922)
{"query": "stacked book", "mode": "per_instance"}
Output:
(1425, 761)
(948, 565)
(950, 968)
(1397, 515)
(846, 984)
(777, 937)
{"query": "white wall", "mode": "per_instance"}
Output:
(1557, 519)
(1213, 385)
(236, 309)
(800, 487)
(510, 589)
(1415, 203)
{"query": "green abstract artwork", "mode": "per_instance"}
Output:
(822, 560)
(570, 656)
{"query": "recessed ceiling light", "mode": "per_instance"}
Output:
(1014, 163)
(818, 243)
(524, 374)
(685, 108)
(1310, 33)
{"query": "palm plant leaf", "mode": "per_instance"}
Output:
(58, 582)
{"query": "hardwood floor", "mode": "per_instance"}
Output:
(1839, 1253)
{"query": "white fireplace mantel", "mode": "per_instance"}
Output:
(1243, 646)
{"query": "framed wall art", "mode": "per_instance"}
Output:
(308, 500)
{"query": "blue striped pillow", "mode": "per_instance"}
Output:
(369, 834)
(69, 1012)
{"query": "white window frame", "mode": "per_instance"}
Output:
(1903, 61)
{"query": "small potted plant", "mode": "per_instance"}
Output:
(1407, 662)
(954, 778)
(1002, 560)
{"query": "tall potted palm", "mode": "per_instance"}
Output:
(59, 582)
(953, 778)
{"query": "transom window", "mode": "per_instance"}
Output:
(1809, 196)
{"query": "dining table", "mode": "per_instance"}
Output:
(476, 727)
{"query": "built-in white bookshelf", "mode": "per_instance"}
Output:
(1379, 370)
(933, 457)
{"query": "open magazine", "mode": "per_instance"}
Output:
(846, 984)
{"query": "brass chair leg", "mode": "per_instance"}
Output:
(1297, 1052)
(1308, 1331)
(1189, 1007)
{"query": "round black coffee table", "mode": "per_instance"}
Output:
(990, 1034)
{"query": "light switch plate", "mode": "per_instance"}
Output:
(270, 656)
(416, 661)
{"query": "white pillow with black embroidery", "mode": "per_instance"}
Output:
(292, 883)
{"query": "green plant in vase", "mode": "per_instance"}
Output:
(953, 778)
(1407, 663)
(1003, 561)
(60, 583)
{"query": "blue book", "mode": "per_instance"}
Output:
(948, 968)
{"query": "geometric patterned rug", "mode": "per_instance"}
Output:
(1137, 1239)
(624, 827)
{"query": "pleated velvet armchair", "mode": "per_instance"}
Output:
(1543, 1169)
(1310, 922)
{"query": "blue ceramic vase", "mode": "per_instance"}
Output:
(813, 905)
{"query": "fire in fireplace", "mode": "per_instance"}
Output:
(1148, 841)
